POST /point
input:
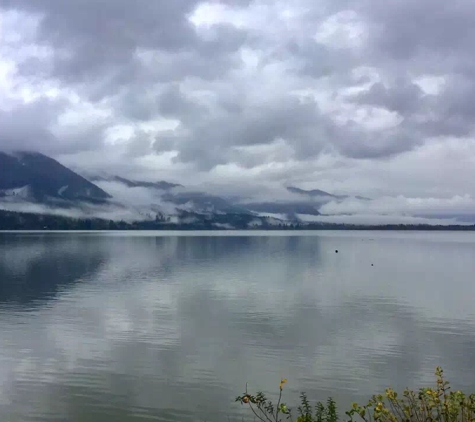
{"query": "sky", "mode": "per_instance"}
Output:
(358, 97)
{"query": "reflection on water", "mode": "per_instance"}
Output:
(118, 327)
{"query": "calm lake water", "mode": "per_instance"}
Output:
(166, 326)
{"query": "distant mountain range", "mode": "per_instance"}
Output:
(176, 194)
(30, 178)
(162, 185)
(316, 193)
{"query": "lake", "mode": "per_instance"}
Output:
(171, 326)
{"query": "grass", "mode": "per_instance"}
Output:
(432, 404)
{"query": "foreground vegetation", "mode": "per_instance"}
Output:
(433, 404)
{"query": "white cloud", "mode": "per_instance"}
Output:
(343, 96)
(400, 209)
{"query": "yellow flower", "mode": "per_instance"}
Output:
(282, 382)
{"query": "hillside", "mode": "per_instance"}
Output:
(33, 182)
(36, 177)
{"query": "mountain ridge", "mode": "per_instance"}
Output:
(31, 178)
(317, 193)
(160, 185)
(311, 193)
(41, 178)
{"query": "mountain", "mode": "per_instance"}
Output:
(203, 203)
(174, 197)
(309, 203)
(310, 193)
(289, 209)
(174, 194)
(36, 177)
(317, 194)
(33, 182)
(161, 185)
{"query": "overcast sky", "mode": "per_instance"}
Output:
(364, 97)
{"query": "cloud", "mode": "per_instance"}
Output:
(256, 90)
(378, 219)
(464, 204)
(114, 212)
(143, 200)
(400, 209)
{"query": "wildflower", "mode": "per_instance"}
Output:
(282, 382)
(391, 394)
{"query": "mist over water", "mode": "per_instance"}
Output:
(167, 326)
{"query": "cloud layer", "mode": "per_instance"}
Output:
(349, 96)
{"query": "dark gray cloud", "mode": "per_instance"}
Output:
(252, 83)
(25, 122)
(377, 145)
(97, 34)
(262, 123)
(403, 97)
(34, 126)
(405, 30)
(99, 40)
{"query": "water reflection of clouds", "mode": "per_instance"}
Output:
(171, 314)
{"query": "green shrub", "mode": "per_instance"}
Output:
(264, 410)
(437, 404)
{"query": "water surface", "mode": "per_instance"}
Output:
(171, 326)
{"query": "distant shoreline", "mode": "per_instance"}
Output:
(423, 228)
(15, 221)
